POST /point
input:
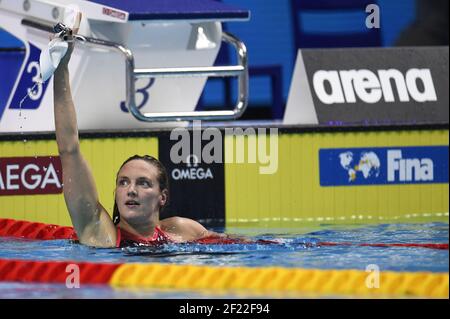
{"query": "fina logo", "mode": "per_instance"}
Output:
(409, 169)
(368, 165)
(344, 86)
(192, 172)
(399, 169)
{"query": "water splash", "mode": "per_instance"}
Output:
(29, 92)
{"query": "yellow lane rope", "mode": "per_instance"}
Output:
(275, 281)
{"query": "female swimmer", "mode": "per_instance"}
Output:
(141, 191)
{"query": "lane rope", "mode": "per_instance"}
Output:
(40, 231)
(443, 246)
(244, 281)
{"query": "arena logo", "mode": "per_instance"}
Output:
(337, 87)
(409, 169)
(237, 141)
(192, 172)
(30, 175)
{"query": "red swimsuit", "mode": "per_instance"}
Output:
(125, 238)
(160, 237)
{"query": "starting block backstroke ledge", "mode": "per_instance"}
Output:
(168, 47)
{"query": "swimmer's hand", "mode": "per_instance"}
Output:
(71, 42)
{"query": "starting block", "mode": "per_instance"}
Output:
(145, 60)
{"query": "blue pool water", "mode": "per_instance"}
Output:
(293, 250)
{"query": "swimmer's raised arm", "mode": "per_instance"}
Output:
(91, 221)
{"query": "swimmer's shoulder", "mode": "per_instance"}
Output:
(186, 228)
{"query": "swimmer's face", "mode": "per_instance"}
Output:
(138, 194)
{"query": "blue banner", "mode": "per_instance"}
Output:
(29, 85)
(383, 165)
(10, 63)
